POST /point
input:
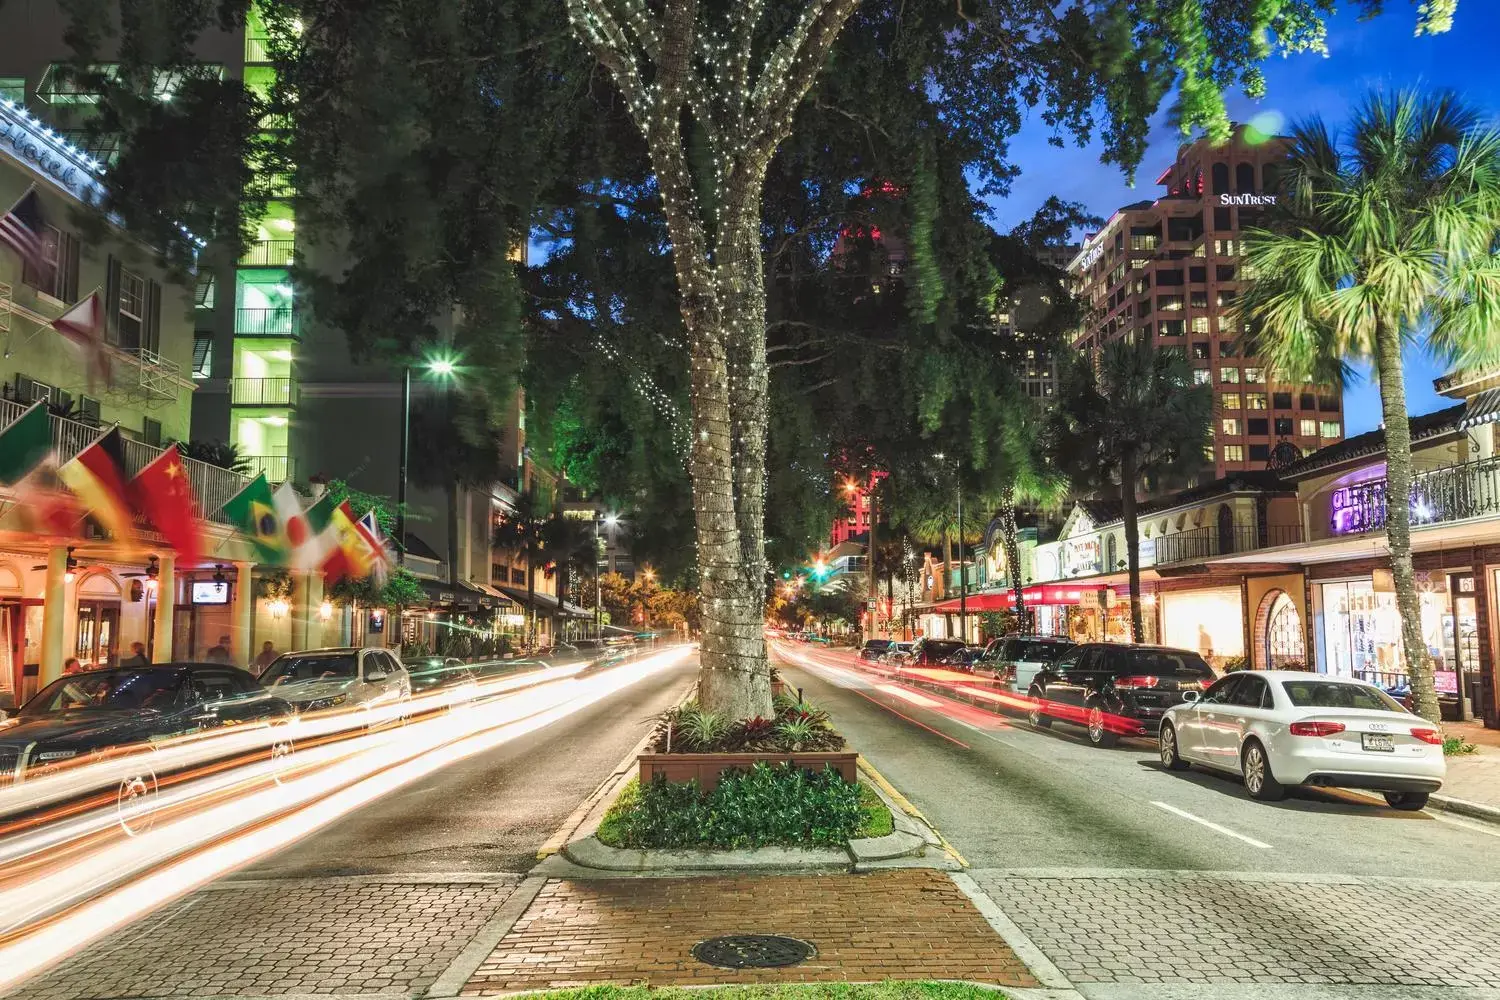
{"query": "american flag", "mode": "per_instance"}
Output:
(21, 227)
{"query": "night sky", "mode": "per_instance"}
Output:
(1362, 56)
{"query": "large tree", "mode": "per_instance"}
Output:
(1382, 238)
(1132, 417)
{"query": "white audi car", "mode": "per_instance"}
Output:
(1281, 728)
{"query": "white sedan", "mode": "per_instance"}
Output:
(1281, 728)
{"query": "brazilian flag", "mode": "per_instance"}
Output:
(254, 512)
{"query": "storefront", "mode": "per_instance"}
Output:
(1210, 621)
(1081, 612)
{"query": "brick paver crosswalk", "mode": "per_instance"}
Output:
(902, 924)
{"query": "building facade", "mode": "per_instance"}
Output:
(1018, 325)
(1169, 271)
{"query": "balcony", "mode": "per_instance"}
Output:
(1455, 493)
(257, 50)
(1205, 543)
(266, 322)
(212, 485)
(276, 468)
(269, 253)
(263, 392)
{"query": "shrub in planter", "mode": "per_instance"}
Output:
(797, 728)
(763, 806)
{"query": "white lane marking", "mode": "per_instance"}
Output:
(911, 696)
(1212, 825)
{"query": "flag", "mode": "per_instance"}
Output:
(21, 227)
(254, 511)
(24, 444)
(349, 555)
(42, 506)
(163, 493)
(369, 528)
(95, 478)
(83, 324)
(306, 546)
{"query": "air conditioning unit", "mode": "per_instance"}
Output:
(88, 410)
(29, 390)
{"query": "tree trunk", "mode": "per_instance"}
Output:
(1008, 532)
(1132, 542)
(1398, 476)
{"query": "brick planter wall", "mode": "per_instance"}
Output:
(705, 768)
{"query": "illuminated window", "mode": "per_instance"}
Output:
(1255, 375)
(1200, 376)
(1230, 400)
(1230, 426)
(1255, 401)
(1308, 428)
(1234, 453)
(1200, 324)
(1229, 376)
(1328, 429)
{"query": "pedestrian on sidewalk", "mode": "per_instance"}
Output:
(137, 657)
(267, 656)
(219, 653)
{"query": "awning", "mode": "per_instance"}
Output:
(1005, 600)
(1482, 409)
(545, 603)
(463, 595)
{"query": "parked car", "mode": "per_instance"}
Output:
(964, 658)
(339, 677)
(874, 649)
(97, 710)
(897, 654)
(1017, 659)
(1277, 729)
(1114, 689)
(429, 673)
(929, 652)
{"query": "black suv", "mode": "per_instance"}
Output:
(931, 652)
(874, 649)
(1114, 689)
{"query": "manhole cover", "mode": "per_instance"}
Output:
(753, 951)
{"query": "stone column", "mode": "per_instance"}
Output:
(166, 599)
(299, 609)
(315, 637)
(54, 615)
(242, 614)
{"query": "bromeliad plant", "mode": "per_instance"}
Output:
(797, 728)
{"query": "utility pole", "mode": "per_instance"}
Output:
(405, 450)
(598, 588)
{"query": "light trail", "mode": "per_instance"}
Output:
(61, 908)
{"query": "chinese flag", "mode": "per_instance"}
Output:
(162, 492)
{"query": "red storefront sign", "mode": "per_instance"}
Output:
(1045, 593)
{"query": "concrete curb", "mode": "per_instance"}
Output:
(1049, 975)
(453, 979)
(1474, 810)
(590, 853)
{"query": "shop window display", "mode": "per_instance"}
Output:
(1362, 632)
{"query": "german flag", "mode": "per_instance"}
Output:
(95, 477)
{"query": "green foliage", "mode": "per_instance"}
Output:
(1454, 746)
(275, 585)
(763, 806)
(219, 454)
(1236, 663)
(361, 503)
(875, 816)
(797, 727)
(400, 589)
(994, 624)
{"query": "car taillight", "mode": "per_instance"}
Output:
(1136, 682)
(1428, 736)
(1315, 728)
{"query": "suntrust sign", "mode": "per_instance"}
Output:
(1246, 200)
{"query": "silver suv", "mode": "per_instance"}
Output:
(315, 680)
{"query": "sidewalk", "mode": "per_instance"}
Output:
(898, 924)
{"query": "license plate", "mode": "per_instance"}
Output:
(1378, 741)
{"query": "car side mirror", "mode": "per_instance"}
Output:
(376, 675)
(1189, 697)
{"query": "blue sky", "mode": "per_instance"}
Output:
(1361, 55)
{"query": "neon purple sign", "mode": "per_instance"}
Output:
(1353, 509)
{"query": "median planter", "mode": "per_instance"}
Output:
(706, 768)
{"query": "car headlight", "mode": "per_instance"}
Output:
(322, 703)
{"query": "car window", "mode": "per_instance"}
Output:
(1251, 692)
(1339, 694)
(1221, 691)
(107, 690)
(1176, 663)
(217, 685)
(1035, 652)
(293, 667)
(1090, 658)
(393, 665)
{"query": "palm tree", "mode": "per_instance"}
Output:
(1381, 238)
(1137, 417)
(1026, 477)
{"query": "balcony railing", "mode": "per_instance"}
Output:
(277, 468)
(269, 253)
(263, 392)
(1454, 493)
(266, 322)
(212, 485)
(257, 50)
(1205, 543)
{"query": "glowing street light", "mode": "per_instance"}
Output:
(444, 367)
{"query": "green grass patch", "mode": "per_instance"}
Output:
(764, 806)
(875, 819)
(890, 990)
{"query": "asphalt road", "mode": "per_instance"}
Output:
(490, 812)
(1008, 796)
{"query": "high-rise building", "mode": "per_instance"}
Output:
(1168, 270)
(1018, 322)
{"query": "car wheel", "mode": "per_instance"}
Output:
(135, 802)
(1259, 781)
(1167, 743)
(1410, 801)
(282, 749)
(1035, 715)
(1099, 733)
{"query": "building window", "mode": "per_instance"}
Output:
(1227, 349)
(1244, 178)
(1328, 429)
(203, 354)
(1230, 426)
(1281, 400)
(1197, 275)
(1255, 375)
(1230, 401)
(1168, 278)
(57, 272)
(1219, 172)
(1200, 350)
(1255, 401)
(1200, 324)
(1226, 248)
(1222, 220)
(1257, 427)
(13, 89)
(151, 432)
(1307, 428)
(1283, 426)
(1229, 376)
(1198, 300)
(1224, 272)
(1328, 404)
(1307, 401)
(1234, 453)
(1260, 453)
(1169, 303)
(1172, 328)
(1200, 376)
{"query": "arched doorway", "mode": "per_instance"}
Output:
(97, 639)
(1283, 641)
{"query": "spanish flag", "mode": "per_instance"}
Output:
(351, 554)
(95, 477)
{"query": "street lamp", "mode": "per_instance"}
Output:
(443, 367)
